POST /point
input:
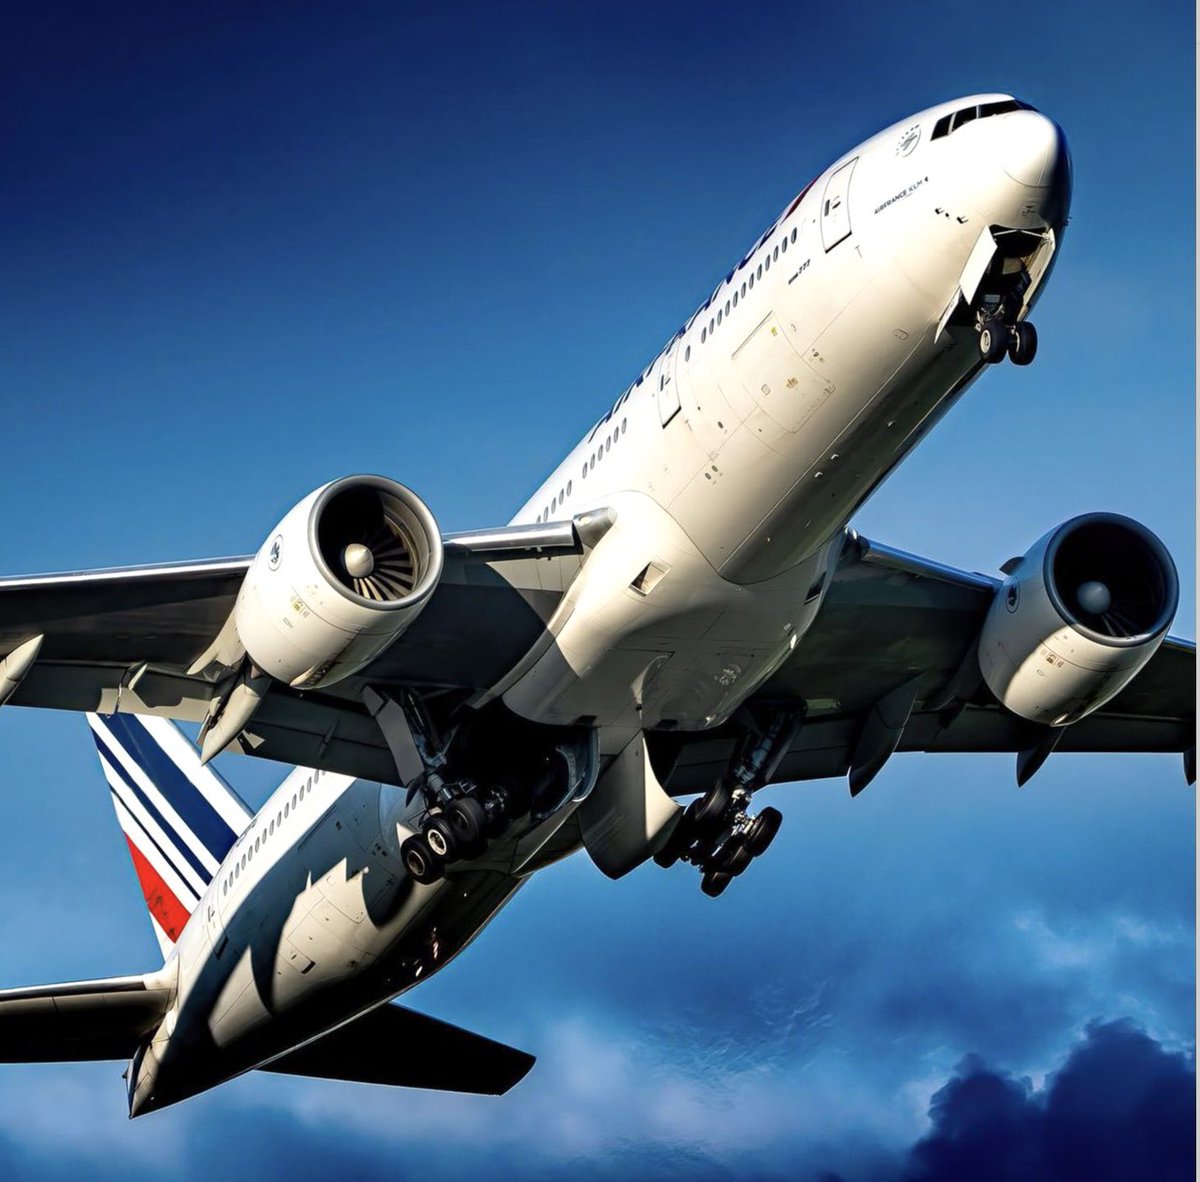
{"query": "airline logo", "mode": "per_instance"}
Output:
(179, 819)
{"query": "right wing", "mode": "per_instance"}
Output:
(399, 1047)
(127, 640)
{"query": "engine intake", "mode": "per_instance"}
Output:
(1078, 617)
(339, 579)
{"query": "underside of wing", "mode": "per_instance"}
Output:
(140, 639)
(895, 627)
(399, 1047)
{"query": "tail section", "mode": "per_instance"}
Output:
(179, 818)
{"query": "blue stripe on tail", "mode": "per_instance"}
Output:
(204, 874)
(209, 827)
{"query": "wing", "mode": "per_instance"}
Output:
(396, 1046)
(127, 639)
(891, 617)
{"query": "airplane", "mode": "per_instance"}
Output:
(681, 609)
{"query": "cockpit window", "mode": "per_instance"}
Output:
(948, 123)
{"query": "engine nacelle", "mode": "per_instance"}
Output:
(1077, 618)
(338, 580)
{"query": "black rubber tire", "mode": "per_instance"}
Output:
(1022, 343)
(734, 857)
(440, 838)
(467, 819)
(714, 882)
(762, 831)
(706, 814)
(419, 860)
(993, 342)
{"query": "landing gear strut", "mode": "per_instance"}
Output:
(717, 833)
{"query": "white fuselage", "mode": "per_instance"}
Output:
(731, 467)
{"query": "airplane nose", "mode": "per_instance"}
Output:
(1033, 150)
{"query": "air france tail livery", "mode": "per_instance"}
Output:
(680, 610)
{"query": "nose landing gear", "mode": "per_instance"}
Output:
(998, 338)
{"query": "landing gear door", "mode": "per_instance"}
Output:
(835, 207)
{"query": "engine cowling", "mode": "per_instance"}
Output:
(338, 580)
(1077, 617)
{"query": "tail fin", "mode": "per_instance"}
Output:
(179, 818)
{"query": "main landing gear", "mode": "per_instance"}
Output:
(718, 835)
(458, 829)
(521, 778)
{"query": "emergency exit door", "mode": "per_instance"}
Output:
(835, 207)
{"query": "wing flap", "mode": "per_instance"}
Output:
(77, 1021)
(398, 1047)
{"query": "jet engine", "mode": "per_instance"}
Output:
(338, 580)
(1077, 617)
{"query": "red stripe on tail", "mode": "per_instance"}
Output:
(170, 913)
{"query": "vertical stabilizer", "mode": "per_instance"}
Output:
(179, 818)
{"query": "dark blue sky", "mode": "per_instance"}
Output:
(249, 248)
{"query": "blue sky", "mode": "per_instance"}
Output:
(251, 248)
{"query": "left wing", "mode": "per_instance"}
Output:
(128, 639)
(891, 618)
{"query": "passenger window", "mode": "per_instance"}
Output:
(568, 488)
(775, 255)
(743, 291)
(767, 264)
(703, 335)
(592, 461)
(759, 271)
(726, 307)
(624, 428)
(783, 246)
(793, 233)
(687, 353)
(718, 315)
(735, 299)
(751, 280)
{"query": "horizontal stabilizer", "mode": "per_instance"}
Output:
(395, 1046)
(80, 1020)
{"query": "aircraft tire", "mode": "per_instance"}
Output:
(993, 342)
(419, 860)
(441, 839)
(762, 831)
(705, 815)
(467, 819)
(714, 882)
(734, 857)
(1022, 344)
